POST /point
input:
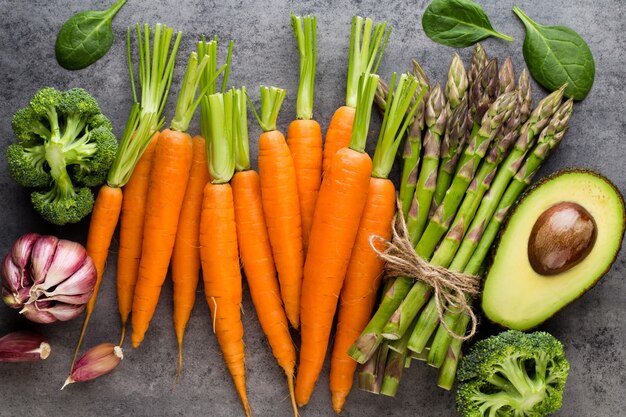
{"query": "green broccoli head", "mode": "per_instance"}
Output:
(512, 374)
(65, 143)
(60, 208)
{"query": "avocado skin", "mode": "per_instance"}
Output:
(513, 210)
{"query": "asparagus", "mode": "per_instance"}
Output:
(396, 361)
(478, 62)
(457, 83)
(549, 139)
(413, 143)
(484, 91)
(525, 92)
(451, 148)
(487, 205)
(447, 371)
(369, 340)
(506, 77)
(435, 118)
(371, 375)
(499, 112)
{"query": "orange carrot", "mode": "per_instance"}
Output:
(366, 267)
(186, 254)
(131, 232)
(279, 192)
(157, 64)
(366, 51)
(339, 207)
(168, 182)
(256, 253)
(218, 238)
(304, 135)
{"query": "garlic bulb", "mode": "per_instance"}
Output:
(47, 279)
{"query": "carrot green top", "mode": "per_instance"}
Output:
(219, 142)
(271, 100)
(155, 70)
(305, 29)
(366, 92)
(396, 120)
(209, 77)
(366, 51)
(240, 131)
(187, 102)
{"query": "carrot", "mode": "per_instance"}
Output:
(279, 192)
(168, 182)
(340, 203)
(131, 232)
(218, 238)
(365, 269)
(186, 253)
(366, 51)
(156, 67)
(256, 252)
(185, 263)
(304, 135)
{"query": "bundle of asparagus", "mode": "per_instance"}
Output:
(480, 146)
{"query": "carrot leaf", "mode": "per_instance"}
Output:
(271, 100)
(366, 92)
(367, 45)
(305, 29)
(240, 131)
(155, 68)
(209, 77)
(187, 102)
(219, 143)
(399, 113)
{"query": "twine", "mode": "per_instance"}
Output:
(453, 291)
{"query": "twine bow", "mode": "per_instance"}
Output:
(452, 290)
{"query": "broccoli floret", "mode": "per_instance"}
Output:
(65, 144)
(512, 374)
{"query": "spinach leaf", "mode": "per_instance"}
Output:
(458, 23)
(86, 37)
(556, 55)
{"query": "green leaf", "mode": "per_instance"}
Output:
(458, 23)
(556, 55)
(85, 37)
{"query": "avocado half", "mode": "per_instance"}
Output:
(515, 295)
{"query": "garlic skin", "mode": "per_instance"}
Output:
(23, 346)
(97, 361)
(47, 278)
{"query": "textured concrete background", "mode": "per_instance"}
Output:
(593, 329)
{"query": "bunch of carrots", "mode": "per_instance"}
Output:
(301, 227)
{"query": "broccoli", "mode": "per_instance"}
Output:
(66, 145)
(512, 374)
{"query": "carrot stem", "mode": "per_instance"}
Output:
(305, 29)
(368, 85)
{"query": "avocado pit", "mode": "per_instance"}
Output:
(561, 238)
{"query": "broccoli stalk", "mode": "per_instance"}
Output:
(513, 374)
(65, 146)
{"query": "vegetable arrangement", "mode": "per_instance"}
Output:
(314, 228)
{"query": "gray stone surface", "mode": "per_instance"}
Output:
(593, 329)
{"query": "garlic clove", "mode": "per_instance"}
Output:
(61, 311)
(97, 361)
(32, 313)
(42, 256)
(68, 258)
(22, 248)
(81, 282)
(76, 299)
(23, 346)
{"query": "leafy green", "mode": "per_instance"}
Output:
(556, 55)
(85, 37)
(458, 23)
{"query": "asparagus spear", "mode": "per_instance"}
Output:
(549, 139)
(484, 91)
(457, 83)
(372, 372)
(413, 143)
(525, 92)
(478, 62)
(451, 148)
(447, 371)
(435, 118)
(396, 361)
(499, 112)
(506, 77)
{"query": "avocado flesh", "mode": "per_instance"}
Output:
(517, 297)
